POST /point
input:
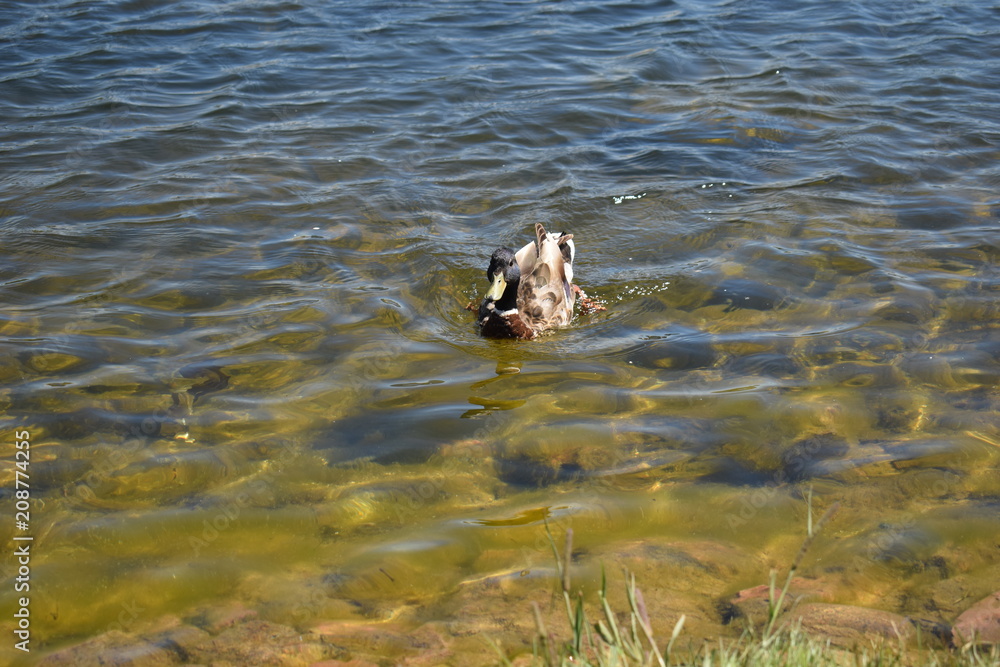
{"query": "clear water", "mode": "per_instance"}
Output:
(238, 240)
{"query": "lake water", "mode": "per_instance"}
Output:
(238, 243)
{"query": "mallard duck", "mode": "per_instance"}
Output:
(531, 290)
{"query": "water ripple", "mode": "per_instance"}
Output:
(789, 212)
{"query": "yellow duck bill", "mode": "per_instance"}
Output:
(498, 287)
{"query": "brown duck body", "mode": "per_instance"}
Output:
(510, 325)
(532, 289)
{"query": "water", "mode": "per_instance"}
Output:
(238, 243)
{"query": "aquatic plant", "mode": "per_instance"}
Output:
(610, 642)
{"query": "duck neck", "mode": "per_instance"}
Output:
(508, 300)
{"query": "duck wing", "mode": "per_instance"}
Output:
(526, 258)
(528, 255)
(545, 295)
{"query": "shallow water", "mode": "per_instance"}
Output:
(239, 240)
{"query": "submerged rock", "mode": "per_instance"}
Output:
(751, 604)
(537, 468)
(771, 364)
(676, 577)
(113, 648)
(217, 619)
(811, 456)
(373, 643)
(736, 293)
(677, 354)
(207, 378)
(980, 622)
(848, 626)
(246, 642)
(258, 642)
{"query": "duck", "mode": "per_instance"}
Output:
(531, 290)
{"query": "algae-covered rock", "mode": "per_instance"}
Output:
(847, 626)
(113, 648)
(258, 642)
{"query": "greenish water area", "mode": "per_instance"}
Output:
(237, 245)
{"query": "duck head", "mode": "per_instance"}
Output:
(504, 276)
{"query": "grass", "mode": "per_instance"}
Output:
(609, 642)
